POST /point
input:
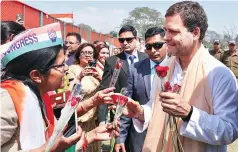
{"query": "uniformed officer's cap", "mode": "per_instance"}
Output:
(216, 41)
(232, 42)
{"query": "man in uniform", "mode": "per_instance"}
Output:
(230, 58)
(217, 52)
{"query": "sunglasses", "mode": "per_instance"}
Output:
(128, 39)
(156, 45)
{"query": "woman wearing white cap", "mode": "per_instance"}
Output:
(35, 65)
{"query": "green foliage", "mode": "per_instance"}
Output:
(86, 27)
(143, 18)
(113, 33)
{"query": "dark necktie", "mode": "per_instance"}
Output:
(157, 64)
(131, 58)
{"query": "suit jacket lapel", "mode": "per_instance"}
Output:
(146, 71)
(125, 65)
(141, 56)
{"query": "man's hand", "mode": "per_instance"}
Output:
(133, 109)
(174, 105)
(120, 147)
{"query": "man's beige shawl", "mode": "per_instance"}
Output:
(195, 90)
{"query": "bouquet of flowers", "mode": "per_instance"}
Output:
(75, 97)
(171, 121)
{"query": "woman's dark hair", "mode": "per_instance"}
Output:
(81, 47)
(9, 28)
(95, 42)
(41, 60)
(99, 48)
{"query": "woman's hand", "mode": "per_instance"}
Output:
(95, 73)
(82, 74)
(63, 143)
(89, 71)
(103, 132)
(103, 97)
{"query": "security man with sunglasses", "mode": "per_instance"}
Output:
(128, 40)
(139, 86)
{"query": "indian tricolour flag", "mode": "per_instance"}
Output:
(64, 17)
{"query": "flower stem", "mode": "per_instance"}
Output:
(178, 139)
(165, 131)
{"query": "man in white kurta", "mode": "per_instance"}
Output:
(217, 129)
(208, 104)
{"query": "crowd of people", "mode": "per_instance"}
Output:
(228, 57)
(201, 116)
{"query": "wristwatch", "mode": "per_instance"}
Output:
(186, 119)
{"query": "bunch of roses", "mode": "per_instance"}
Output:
(171, 122)
(166, 87)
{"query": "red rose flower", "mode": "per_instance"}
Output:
(115, 97)
(74, 101)
(176, 88)
(118, 64)
(162, 70)
(167, 87)
(121, 99)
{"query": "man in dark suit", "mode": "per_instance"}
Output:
(139, 85)
(128, 40)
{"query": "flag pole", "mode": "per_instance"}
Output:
(73, 20)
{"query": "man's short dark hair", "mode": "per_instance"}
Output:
(128, 28)
(77, 35)
(192, 15)
(154, 31)
(95, 42)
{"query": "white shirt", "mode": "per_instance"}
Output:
(152, 72)
(136, 59)
(216, 130)
(152, 68)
